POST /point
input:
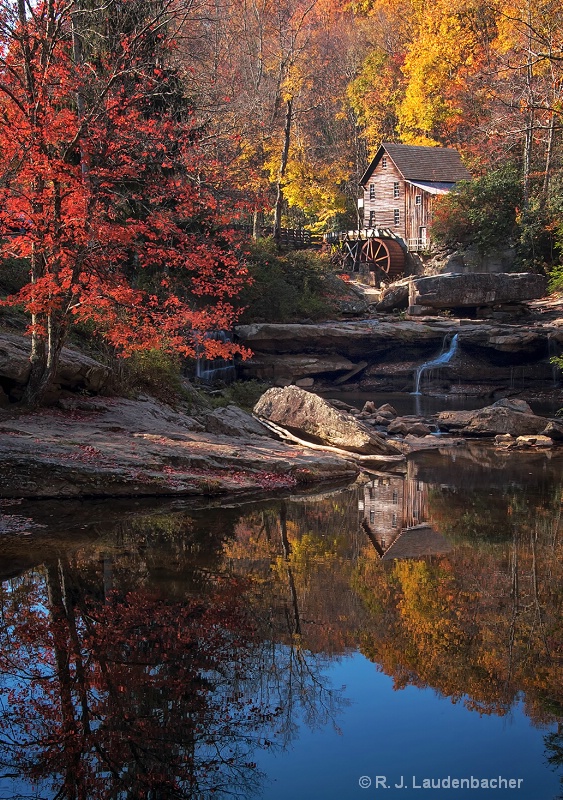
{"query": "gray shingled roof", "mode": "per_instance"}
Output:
(421, 163)
(416, 542)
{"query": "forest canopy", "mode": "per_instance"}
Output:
(135, 137)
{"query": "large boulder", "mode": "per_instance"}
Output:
(75, 369)
(506, 416)
(476, 289)
(233, 421)
(270, 367)
(14, 358)
(308, 415)
(368, 338)
(554, 430)
(395, 296)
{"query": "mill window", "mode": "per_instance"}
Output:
(372, 191)
(396, 216)
(396, 190)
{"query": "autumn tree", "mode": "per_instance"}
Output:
(527, 60)
(103, 186)
(269, 85)
(131, 696)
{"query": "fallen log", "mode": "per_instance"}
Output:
(286, 435)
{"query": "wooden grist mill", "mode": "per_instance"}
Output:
(375, 253)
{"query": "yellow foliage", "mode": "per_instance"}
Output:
(374, 95)
(309, 184)
(315, 189)
(424, 606)
(444, 46)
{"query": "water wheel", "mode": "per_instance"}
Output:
(386, 255)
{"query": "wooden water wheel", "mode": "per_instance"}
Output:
(386, 255)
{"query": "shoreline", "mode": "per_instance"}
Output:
(118, 448)
(141, 448)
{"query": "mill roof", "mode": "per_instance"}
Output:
(416, 542)
(416, 163)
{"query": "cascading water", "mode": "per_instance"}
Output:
(213, 370)
(444, 357)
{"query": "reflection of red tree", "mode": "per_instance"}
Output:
(130, 696)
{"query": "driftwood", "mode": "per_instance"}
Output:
(285, 435)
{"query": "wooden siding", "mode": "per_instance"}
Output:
(404, 165)
(384, 503)
(384, 204)
(417, 216)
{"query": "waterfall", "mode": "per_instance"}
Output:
(214, 370)
(444, 358)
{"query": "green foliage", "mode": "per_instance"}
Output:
(556, 278)
(483, 212)
(152, 371)
(286, 287)
(538, 228)
(555, 206)
(557, 361)
(14, 273)
(244, 394)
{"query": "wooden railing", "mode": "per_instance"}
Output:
(294, 238)
(360, 234)
(416, 245)
(297, 238)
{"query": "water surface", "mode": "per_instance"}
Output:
(427, 404)
(403, 629)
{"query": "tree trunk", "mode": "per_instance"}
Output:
(257, 224)
(59, 633)
(295, 627)
(283, 166)
(548, 159)
(530, 122)
(45, 356)
(527, 161)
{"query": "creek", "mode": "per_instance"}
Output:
(409, 625)
(425, 405)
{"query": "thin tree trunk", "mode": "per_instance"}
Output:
(282, 170)
(286, 548)
(527, 161)
(257, 223)
(548, 159)
(61, 648)
(46, 348)
(531, 121)
(47, 341)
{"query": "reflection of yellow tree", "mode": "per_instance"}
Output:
(301, 554)
(483, 624)
(426, 606)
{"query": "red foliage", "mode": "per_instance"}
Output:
(108, 194)
(130, 696)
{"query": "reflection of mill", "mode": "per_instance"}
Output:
(394, 511)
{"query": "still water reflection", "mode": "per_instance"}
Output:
(404, 629)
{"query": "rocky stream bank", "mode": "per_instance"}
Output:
(110, 447)
(383, 354)
(89, 445)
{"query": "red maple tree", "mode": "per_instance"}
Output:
(103, 185)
